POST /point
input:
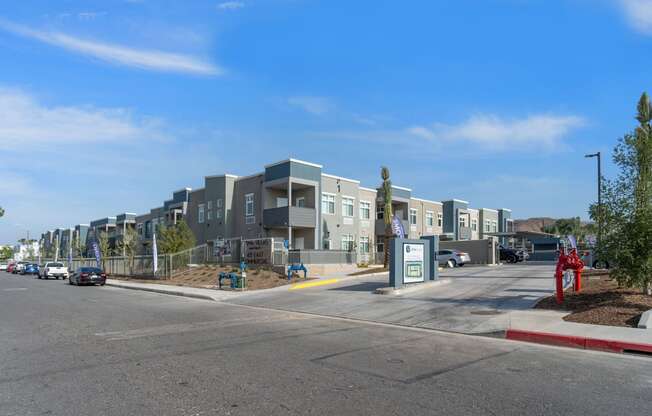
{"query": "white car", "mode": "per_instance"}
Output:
(53, 269)
(3, 267)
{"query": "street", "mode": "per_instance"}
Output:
(68, 350)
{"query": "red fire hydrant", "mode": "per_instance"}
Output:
(570, 261)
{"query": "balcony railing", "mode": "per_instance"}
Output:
(289, 217)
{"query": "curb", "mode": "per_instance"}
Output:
(580, 342)
(163, 291)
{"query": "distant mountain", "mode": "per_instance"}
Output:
(533, 224)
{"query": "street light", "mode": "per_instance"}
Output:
(597, 155)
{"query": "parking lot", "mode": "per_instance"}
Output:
(477, 299)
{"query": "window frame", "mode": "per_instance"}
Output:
(326, 199)
(440, 219)
(430, 219)
(249, 200)
(414, 215)
(362, 206)
(346, 206)
(201, 212)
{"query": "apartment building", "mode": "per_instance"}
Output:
(297, 202)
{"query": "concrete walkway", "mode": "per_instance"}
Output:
(190, 292)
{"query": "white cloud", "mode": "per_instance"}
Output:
(313, 105)
(152, 60)
(25, 122)
(491, 131)
(639, 14)
(231, 5)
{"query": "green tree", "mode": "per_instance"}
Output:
(78, 246)
(176, 238)
(387, 214)
(627, 206)
(104, 245)
(6, 253)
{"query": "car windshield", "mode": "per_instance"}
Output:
(55, 264)
(90, 270)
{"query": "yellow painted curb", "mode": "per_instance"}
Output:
(313, 284)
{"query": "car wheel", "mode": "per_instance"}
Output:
(452, 262)
(511, 259)
(600, 264)
(70, 282)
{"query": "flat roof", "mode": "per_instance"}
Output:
(369, 189)
(303, 162)
(182, 189)
(340, 178)
(426, 200)
(506, 209)
(225, 175)
(402, 188)
(489, 209)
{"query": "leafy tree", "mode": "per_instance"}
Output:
(176, 238)
(388, 214)
(104, 245)
(6, 253)
(78, 246)
(627, 207)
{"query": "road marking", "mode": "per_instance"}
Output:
(14, 289)
(313, 284)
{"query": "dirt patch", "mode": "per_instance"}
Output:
(601, 302)
(205, 277)
(370, 270)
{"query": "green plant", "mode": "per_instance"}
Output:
(627, 207)
(176, 238)
(128, 246)
(388, 214)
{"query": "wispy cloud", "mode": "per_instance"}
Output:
(490, 131)
(231, 5)
(152, 60)
(313, 105)
(25, 122)
(639, 14)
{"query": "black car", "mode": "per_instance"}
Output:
(511, 255)
(87, 276)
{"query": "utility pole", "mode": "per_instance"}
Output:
(597, 155)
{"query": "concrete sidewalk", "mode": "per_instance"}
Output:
(548, 327)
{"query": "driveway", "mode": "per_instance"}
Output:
(478, 300)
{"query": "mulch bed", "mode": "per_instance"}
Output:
(601, 302)
(206, 278)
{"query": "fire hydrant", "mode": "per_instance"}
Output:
(570, 261)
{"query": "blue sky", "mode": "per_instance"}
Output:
(109, 106)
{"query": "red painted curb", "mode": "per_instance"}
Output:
(576, 342)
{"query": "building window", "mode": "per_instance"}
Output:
(139, 227)
(413, 216)
(380, 212)
(462, 221)
(328, 204)
(430, 219)
(474, 224)
(347, 242)
(249, 205)
(487, 226)
(301, 202)
(440, 219)
(219, 203)
(347, 207)
(250, 220)
(327, 244)
(209, 211)
(494, 226)
(210, 205)
(218, 214)
(200, 214)
(365, 210)
(364, 245)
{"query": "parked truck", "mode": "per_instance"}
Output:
(53, 269)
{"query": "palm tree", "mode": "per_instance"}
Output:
(388, 214)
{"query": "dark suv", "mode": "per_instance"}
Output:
(511, 255)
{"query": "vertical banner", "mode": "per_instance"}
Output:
(69, 256)
(397, 227)
(154, 253)
(98, 257)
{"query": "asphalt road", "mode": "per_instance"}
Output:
(107, 351)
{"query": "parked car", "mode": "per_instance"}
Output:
(19, 267)
(3, 267)
(30, 268)
(10, 267)
(453, 258)
(512, 255)
(53, 269)
(88, 276)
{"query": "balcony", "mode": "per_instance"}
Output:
(465, 233)
(289, 217)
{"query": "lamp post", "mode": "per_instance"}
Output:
(597, 155)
